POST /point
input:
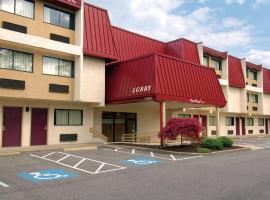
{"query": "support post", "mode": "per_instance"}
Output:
(162, 118)
(217, 122)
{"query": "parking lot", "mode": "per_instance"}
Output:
(127, 173)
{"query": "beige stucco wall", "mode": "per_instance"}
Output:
(266, 104)
(93, 80)
(236, 100)
(53, 133)
(37, 84)
(36, 26)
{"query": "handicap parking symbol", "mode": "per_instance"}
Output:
(46, 175)
(141, 161)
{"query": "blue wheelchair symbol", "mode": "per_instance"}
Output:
(46, 175)
(141, 161)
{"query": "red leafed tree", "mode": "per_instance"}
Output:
(185, 127)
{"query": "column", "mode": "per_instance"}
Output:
(217, 122)
(162, 117)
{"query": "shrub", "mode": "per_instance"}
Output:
(202, 150)
(226, 141)
(212, 143)
(185, 127)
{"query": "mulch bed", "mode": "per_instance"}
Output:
(180, 148)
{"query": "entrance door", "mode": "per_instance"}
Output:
(39, 126)
(12, 122)
(237, 126)
(266, 126)
(204, 124)
(243, 122)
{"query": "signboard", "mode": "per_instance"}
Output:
(46, 175)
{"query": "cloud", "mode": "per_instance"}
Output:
(258, 3)
(259, 56)
(241, 2)
(166, 21)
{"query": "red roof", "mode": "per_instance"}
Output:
(266, 81)
(236, 75)
(131, 45)
(183, 49)
(254, 66)
(98, 37)
(162, 78)
(214, 53)
(72, 4)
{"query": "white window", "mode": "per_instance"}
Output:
(64, 117)
(57, 67)
(229, 121)
(15, 60)
(20, 7)
(212, 121)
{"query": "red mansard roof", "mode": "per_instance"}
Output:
(72, 4)
(183, 49)
(254, 66)
(98, 36)
(236, 75)
(214, 53)
(131, 45)
(162, 78)
(266, 80)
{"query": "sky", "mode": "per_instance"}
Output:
(240, 27)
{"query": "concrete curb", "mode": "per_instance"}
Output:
(9, 154)
(183, 153)
(79, 149)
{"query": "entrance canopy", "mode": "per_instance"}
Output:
(160, 78)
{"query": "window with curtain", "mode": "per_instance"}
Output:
(212, 121)
(59, 18)
(250, 122)
(57, 67)
(15, 60)
(229, 121)
(24, 8)
(68, 117)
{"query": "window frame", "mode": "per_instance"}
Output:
(68, 110)
(184, 115)
(229, 124)
(214, 121)
(256, 98)
(13, 51)
(250, 119)
(59, 59)
(218, 61)
(208, 60)
(71, 15)
(14, 9)
(261, 120)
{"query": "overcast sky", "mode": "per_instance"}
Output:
(241, 27)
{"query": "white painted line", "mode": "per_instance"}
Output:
(4, 185)
(133, 151)
(189, 158)
(152, 154)
(63, 158)
(48, 155)
(97, 171)
(173, 157)
(80, 162)
(99, 168)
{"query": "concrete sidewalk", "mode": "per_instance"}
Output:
(63, 147)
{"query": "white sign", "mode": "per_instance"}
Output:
(141, 89)
(197, 101)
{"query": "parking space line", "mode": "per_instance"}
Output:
(172, 158)
(4, 185)
(82, 159)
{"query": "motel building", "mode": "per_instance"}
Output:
(68, 76)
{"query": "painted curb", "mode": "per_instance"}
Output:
(183, 153)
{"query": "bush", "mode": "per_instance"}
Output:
(212, 143)
(226, 141)
(202, 150)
